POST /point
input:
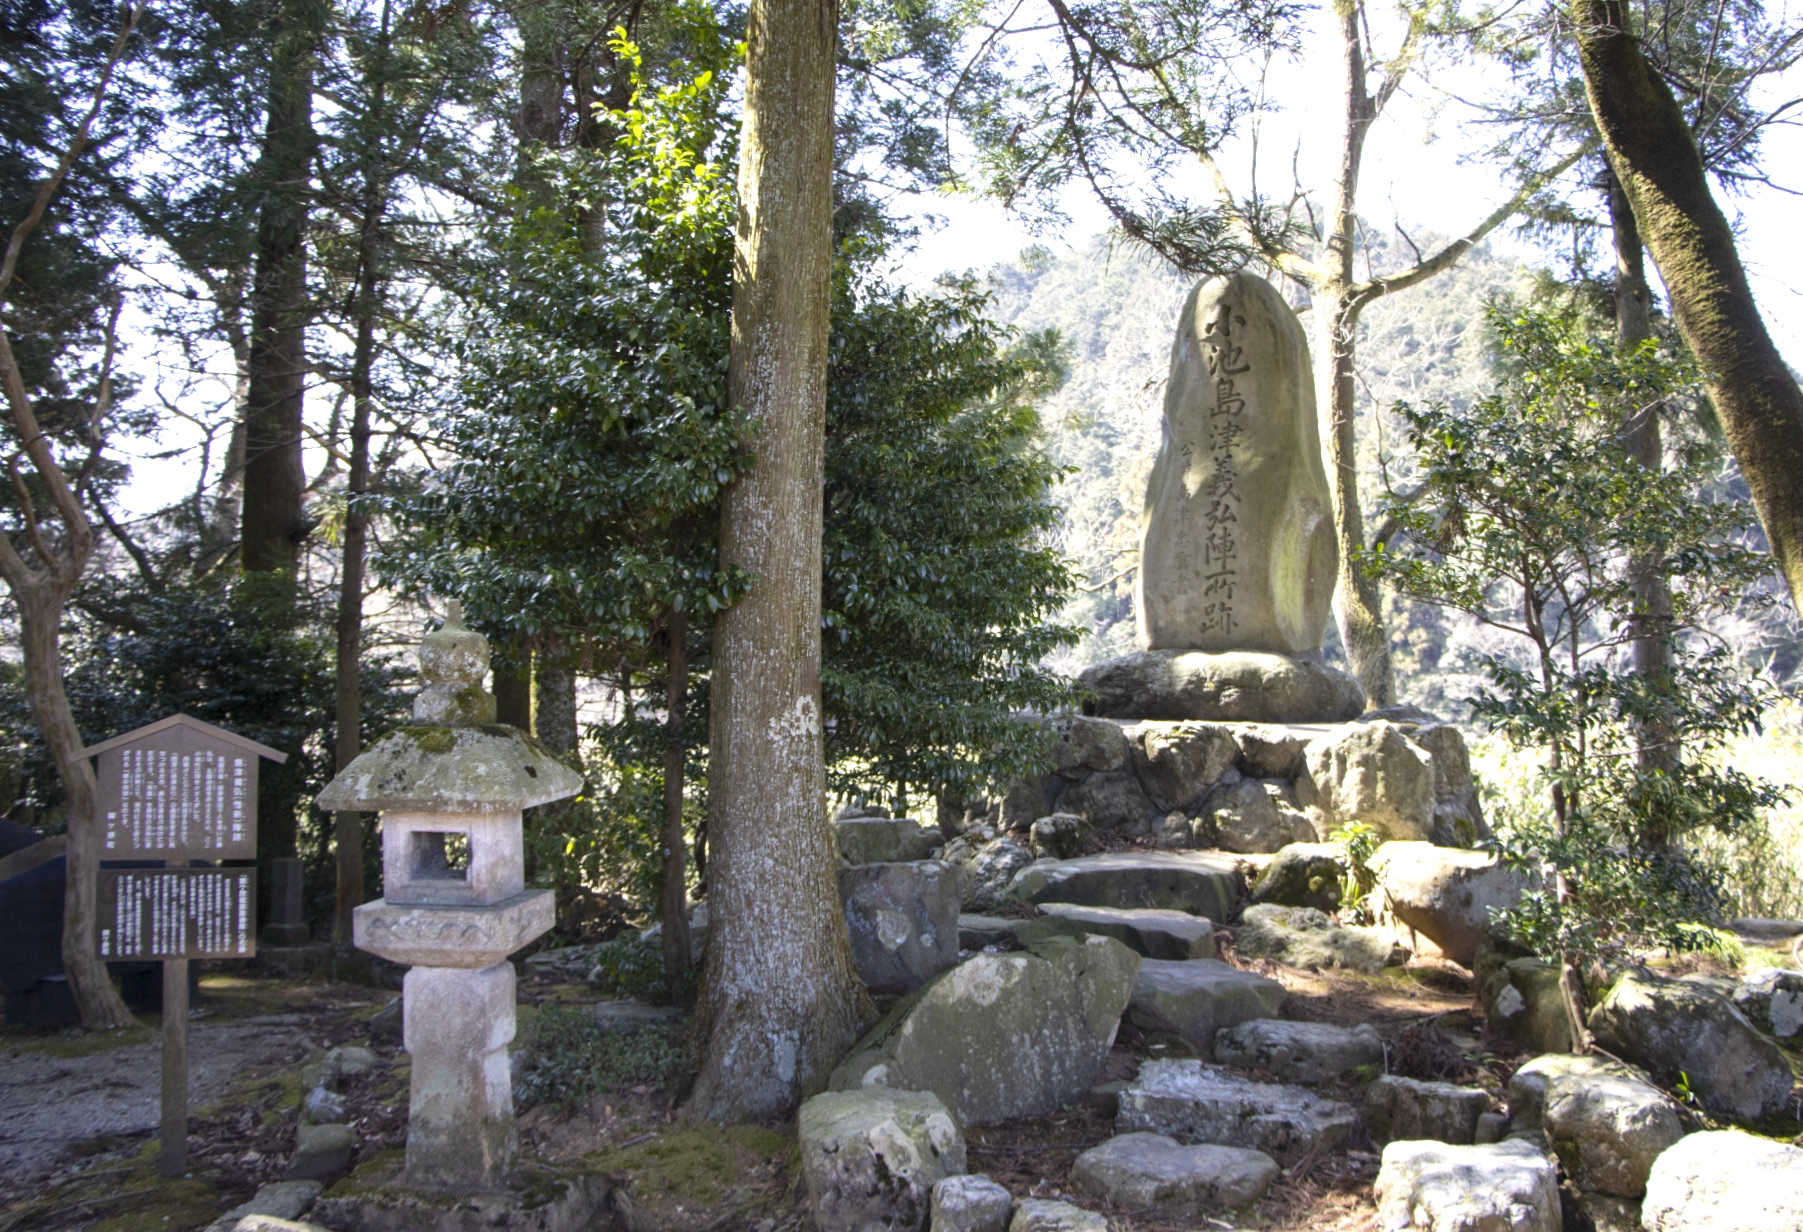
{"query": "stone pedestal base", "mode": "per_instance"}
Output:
(456, 1024)
(1238, 686)
(376, 1198)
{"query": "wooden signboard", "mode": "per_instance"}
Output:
(162, 913)
(179, 789)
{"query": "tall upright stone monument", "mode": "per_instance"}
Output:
(1237, 551)
(455, 903)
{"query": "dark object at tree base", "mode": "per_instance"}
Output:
(293, 962)
(1238, 686)
(534, 1199)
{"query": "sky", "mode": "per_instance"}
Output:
(1417, 168)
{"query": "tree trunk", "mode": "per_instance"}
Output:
(1640, 435)
(273, 510)
(1651, 149)
(513, 684)
(40, 614)
(1357, 606)
(780, 1001)
(348, 683)
(554, 704)
(673, 899)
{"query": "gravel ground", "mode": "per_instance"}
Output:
(57, 1113)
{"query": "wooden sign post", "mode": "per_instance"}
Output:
(180, 791)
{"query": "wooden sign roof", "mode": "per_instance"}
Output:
(189, 723)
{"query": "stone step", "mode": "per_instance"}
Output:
(1155, 933)
(1433, 1185)
(1194, 1000)
(1299, 1051)
(1156, 1174)
(1199, 883)
(1205, 1103)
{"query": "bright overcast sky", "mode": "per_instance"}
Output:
(1412, 171)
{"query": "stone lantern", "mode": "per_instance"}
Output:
(450, 789)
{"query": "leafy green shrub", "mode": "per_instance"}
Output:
(569, 1057)
(1532, 517)
(628, 967)
(1361, 842)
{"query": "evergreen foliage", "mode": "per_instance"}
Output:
(1528, 515)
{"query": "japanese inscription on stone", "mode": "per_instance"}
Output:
(1226, 423)
(153, 913)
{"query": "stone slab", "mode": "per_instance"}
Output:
(1154, 933)
(1194, 1000)
(1153, 1173)
(1194, 882)
(531, 1199)
(1205, 1103)
(435, 936)
(1238, 686)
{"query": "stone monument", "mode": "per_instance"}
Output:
(1237, 549)
(455, 903)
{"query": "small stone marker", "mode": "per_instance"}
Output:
(451, 790)
(179, 790)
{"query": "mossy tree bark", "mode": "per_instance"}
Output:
(780, 1001)
(1652, 152)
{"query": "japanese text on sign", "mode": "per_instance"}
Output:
(177, 913)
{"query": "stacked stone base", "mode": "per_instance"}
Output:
(379, 1197)
(1251, 787)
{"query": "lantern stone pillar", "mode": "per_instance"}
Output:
(451, 789)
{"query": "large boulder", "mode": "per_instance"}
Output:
(1369, 772)
(1446, 894)
(1772, 1000)
(1002, 1035)
(1158, 1175)
(1177, 762)
(1111, 801)
(1458, 815)
(1057, 836)
(1607, 1123)
(1436, 1187)
(1304, 937)
(870, 1158)
(1298, 1051)
(1725, 1181)
(1194, 1000)
(1399, 1108)
(1672, 1027)
(1201, 884)
(883, 840)
(1149, 931)
(1253, 815)
(1245, 686)
(1303, 875)
(1195, 1102)
(903, 921)
(1522, 1000)
(1083, 746)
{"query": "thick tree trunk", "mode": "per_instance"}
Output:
(780, 1000)
(273, 509)
(673, 899)
(1651, 149)
(1357, 605)
(40, 614)
(1641, 438)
